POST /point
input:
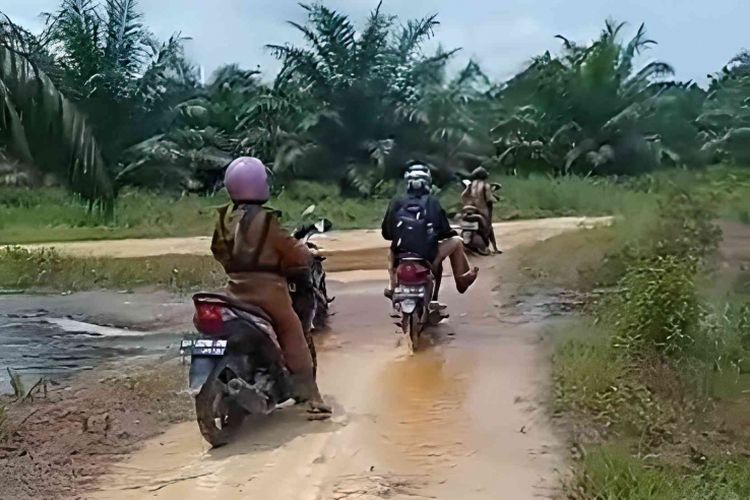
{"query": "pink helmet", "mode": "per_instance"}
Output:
(246, 180)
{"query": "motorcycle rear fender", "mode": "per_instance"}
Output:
(200, 368)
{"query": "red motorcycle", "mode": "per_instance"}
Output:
(413, 297)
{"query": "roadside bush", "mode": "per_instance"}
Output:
(658, 307)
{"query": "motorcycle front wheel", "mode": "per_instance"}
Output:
(218, 416)
(412, 329)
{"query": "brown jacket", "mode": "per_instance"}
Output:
(258, 276)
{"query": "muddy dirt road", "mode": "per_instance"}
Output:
(460, 420)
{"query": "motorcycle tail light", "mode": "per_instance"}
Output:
(209, 318)
(412, 273)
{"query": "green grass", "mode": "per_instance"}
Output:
(612, 473)
(49, 215)
(46, 270)
(648, 385)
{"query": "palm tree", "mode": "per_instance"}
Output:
(585, 110)
(363, 97)
(41, 128)
(725, 121)
(125, 80)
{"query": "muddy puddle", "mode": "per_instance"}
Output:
(35, 345)
(460, 419)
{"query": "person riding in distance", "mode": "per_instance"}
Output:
(435, 241)
(479, 194)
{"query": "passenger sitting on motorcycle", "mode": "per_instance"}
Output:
(257, 255)
(479, 195)
(417, 224)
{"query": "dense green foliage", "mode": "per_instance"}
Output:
(350, 105)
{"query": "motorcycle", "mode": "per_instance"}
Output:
(236, 365)
(309, 293)
(413, 297)
(474, 226)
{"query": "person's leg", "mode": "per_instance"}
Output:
(296, 350)
(491, 231)
(391, 274)
(438, 270)
(463, 274)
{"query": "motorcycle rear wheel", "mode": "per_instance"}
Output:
(217, 415)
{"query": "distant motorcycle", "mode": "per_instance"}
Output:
(475, 227)
(236, 364)
(412, 297)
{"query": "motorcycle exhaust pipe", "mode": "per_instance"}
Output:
(248, 397)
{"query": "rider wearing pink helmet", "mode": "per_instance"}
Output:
(257, 255)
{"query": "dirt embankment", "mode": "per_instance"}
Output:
(55, 444)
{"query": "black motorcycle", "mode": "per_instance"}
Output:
(309, 293)
(236, 365)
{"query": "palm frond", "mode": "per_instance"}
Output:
(124, 43)
(57, 134)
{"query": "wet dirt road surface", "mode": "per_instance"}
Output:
(461, 419)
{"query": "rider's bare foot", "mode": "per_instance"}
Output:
(464, 281)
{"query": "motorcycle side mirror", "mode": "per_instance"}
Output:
(323, 225)
(308, 210)
(496, 186)
(466, 182)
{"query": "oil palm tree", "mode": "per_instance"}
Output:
(353, 82)
(125, 80)
(42, 129)
(591, 102)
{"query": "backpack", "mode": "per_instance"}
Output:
(414, 233)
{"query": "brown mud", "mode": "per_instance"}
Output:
(463, 418)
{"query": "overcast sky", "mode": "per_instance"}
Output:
(696, 36)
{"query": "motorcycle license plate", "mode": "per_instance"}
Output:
(470, 226)
(405, 292)
(203, 347)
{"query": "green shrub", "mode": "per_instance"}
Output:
(658, 307)
(611, 473)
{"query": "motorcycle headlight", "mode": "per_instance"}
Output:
(408, 306)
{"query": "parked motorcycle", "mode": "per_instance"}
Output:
(415, 288)
(236, 365)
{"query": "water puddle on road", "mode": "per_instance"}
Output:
(423, 408)
(35, 346)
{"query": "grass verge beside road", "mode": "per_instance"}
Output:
(652, 382)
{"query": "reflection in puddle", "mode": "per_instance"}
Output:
(423, 408)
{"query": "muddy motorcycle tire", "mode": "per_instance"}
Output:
(412, 330)
(217, 415)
